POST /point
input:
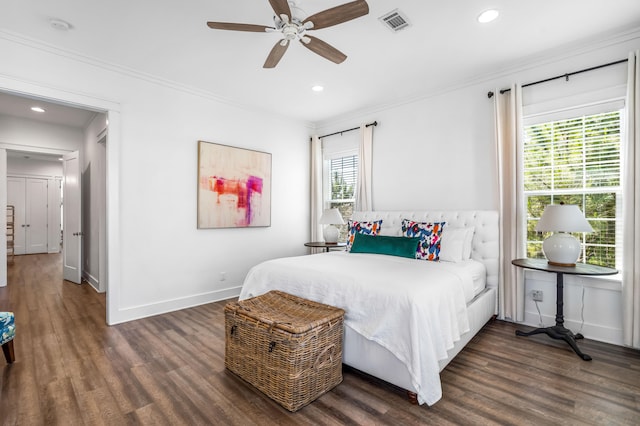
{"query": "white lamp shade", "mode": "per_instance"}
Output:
(331, 217)
(562, 248)
(563, 218)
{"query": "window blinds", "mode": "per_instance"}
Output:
(582, 152)
(343, 173)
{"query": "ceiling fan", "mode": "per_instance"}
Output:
(293, 28)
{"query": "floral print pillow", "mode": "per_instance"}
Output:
(367, 228)
(429, 233)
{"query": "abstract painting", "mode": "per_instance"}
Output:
(234, 187)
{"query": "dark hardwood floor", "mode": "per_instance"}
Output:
(72, 369)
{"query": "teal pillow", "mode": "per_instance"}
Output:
(382, 244)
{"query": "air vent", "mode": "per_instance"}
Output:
(395, 20)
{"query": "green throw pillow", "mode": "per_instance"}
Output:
(382, 244)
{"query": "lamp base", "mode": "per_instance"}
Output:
(569, 265)
(330, 234)
(561, 249)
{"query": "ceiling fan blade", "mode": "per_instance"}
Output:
(338, 15)
(281, 7)
(238, 27)
(323, 49)
(276, 54)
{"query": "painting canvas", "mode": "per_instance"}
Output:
(234, 187)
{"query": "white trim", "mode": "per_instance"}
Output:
(593, 331)
(93, 281)
(33, 148)
(3, 218)
(24, 88)
(119, 69)
(157, 308)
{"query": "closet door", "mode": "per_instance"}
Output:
(16, 188)
(36, 216)
(29, 197)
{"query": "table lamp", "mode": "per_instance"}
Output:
(331, 217)
(562, 248)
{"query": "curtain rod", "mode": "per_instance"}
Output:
(375, 123)
(566, 76)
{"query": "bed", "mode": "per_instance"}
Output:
(406, 319)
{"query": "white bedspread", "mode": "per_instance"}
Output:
(415, 309)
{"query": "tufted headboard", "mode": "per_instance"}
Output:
(485, 245)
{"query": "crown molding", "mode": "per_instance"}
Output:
(129, 72)
(549, 57)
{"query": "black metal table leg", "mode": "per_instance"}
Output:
(559, 331)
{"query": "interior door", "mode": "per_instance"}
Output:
(36, 216)
(72, 225)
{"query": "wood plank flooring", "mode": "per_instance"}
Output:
(72, 369)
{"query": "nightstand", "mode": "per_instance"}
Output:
(558, 331)
(326, 246)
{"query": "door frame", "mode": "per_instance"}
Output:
(112, 177)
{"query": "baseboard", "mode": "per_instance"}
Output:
(93, 281)
(163, 307)
(589, 331)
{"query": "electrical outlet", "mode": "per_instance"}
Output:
(537, 295)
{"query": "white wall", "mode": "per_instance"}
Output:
(33, 167)
(29, 135)
(438, 152)
(158, 260)
(93, 201)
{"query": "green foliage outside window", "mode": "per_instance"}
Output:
(575, 161)
(343, 181)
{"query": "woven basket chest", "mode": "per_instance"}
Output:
(288, 347)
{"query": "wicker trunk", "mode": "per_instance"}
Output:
(288, 347)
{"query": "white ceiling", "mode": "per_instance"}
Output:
(444, 46)
(15, 106)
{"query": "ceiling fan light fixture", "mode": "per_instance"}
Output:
(293, 28)
(488, 16)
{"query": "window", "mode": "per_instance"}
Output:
(340, 172)
(576, 160)
(340, 183)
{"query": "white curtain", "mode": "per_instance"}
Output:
(365, 152)
(509, 148)
(316, 188)
(631, 209)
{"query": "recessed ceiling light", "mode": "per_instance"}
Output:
(37, 109)
(59, 24)
(488, 16)
(317, 88)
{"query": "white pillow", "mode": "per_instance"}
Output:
(466, 250)
(455, 244)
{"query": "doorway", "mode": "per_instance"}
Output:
(95, 190)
